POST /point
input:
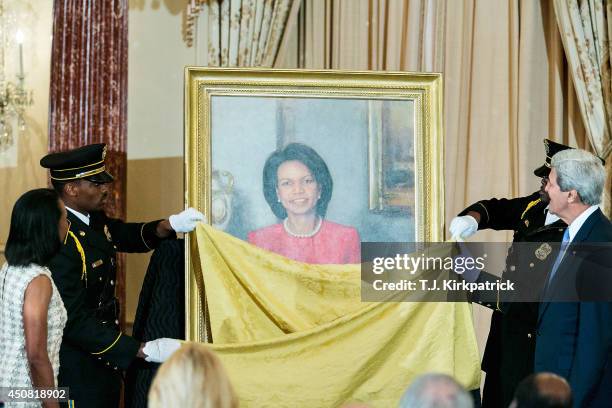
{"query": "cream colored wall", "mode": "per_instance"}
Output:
(157, 56)
(32, 145)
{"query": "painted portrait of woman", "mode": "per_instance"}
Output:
(297, 186)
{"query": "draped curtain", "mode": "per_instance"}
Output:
(301, 325)
(506, 83)
(372, 35)
(506, 79)
(244, 33)
(88, 93)
(586, 27)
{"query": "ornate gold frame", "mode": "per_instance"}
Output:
(203, 83)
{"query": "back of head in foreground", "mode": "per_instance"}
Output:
(542, 390)
(192, 377)
(435, 391)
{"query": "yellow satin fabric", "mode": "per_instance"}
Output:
(297, 335)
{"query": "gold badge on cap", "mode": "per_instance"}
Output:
(104, 153)
(107, 233)
(543, 251)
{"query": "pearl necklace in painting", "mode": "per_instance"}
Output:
(307, 235)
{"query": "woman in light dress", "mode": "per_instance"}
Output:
(32, 315)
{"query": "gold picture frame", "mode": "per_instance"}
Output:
(224, 124)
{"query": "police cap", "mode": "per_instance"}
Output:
(85, 162)
(552, 148)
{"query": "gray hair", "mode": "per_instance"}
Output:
(581, 171)
(436, 391)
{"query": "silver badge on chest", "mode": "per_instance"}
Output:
(543, 251)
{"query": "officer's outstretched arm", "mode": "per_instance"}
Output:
(132, 236)
(502, 213)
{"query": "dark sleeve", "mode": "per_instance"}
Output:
(161, 304)
(491, 299)
(502, 213)
(82, 329)
(594, 278)
(592, 350)
(594, 332)
(525, 287)
(134, 237)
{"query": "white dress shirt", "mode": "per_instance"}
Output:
(550, 217)
(80, 216)
(575, 226)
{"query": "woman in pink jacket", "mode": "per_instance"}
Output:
(298, 187)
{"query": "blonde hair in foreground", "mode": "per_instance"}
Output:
(192, 377)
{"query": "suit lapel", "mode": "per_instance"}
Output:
(582, 235)
(585, 231)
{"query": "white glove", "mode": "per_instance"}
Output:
(463, 227)
(186, 220)
(160, 350)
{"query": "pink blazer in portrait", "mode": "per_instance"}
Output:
(332, 244)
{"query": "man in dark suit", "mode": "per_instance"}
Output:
(574, 331)
(508, 356)
(93, 349)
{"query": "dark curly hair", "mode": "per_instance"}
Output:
(311, 159)
(33, 235)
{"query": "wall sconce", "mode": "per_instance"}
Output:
(14, 98)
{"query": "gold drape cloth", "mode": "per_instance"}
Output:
(297, 335)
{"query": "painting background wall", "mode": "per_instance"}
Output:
(245, 130)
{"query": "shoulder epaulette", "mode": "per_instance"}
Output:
(79, 248)
(531, 204)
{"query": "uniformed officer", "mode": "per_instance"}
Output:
(509, 352)
(94, 351)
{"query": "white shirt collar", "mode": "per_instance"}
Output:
(550, 217)
(80, 216)
(575, 226)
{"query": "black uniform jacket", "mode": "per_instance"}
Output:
(93, 348)
(509, 353)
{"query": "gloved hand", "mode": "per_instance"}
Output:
(463, 227)
(160, 350)
(186, 220)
